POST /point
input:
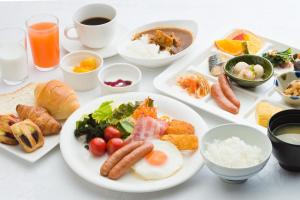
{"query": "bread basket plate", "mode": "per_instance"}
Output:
(87, 167)
(50, 143)
(8, 102)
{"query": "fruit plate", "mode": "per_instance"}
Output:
(50, 143)
(166, 83)
(88, 167)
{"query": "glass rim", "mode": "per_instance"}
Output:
(16, 28)
(13, 28)
(41, 15)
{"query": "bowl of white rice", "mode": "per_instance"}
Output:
(235, 152)
(142, 53)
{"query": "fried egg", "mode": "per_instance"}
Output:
(164, 160)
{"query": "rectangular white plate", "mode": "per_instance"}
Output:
(50, 143)
(166, 83)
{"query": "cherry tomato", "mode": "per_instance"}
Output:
(114, 144)
(97, 146)
(111, 132)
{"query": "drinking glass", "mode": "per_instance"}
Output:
(13, 55)
(43, 33)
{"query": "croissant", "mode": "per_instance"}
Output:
(41, 117)
(6, 136)
(58, 98)
(28, 135)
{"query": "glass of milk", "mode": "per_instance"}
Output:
(13, 55)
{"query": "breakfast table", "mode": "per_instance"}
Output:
(51, 178)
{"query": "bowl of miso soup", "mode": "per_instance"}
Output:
(284, 133)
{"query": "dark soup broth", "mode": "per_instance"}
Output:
(289, 133)
(95, 21)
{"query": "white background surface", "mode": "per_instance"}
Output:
(51, 178)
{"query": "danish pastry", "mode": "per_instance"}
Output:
(28, 135)
(6, 136)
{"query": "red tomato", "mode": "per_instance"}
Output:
(114, 144)
(97, 146)
(111, 132)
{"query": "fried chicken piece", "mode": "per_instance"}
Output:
(178, 127)
(182, 141)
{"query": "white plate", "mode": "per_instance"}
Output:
(88, 167)
(166, 83)
(106, 52)
(189, 25)
(50, 143)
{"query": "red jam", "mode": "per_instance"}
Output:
(118, 83)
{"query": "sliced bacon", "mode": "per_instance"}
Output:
(147, 128)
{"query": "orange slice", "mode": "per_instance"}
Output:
(254, 43)
(233, 47)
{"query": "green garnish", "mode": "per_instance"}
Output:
(280, 59)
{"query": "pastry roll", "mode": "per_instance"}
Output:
(40, 116)
(28, 135)
(6, 136)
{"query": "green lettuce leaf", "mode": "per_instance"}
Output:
(104, 112)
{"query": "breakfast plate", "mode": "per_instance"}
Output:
(106, 52)
(249, 97)
(88, 167)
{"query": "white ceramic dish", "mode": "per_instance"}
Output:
(50, 143)
(117, 71)
(87, 167)
(166, 83)
(281, 83)
(105, 52)
(248, 134)
(159, 62)
(80, 81)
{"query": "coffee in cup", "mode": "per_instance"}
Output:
(95, 25)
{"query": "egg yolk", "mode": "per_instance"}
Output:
(156, 158)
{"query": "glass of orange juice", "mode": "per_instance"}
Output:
(43, 34)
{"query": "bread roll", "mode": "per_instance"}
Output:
(59, 99)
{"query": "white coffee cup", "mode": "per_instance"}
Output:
(93, 36)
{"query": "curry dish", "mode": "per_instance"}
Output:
(173, 40)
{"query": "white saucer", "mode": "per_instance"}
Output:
(106, 52)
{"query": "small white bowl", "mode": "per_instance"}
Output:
(80, 81)
(282, 81)
(117, 71)
(246, 133)
(189, 25)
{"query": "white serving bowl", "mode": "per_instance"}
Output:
(246, 133)
(80, 81)
(189, 25)
(117, 71)
(281, 83)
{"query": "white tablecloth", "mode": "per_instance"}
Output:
(51, 178)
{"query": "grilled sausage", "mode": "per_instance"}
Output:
(118, 155)
(128, 161)
(227, 91)
(221, 100)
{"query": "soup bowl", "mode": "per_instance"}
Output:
(287, 154)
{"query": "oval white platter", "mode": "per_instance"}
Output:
(88, 167)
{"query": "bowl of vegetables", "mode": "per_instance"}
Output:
(249, 70)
